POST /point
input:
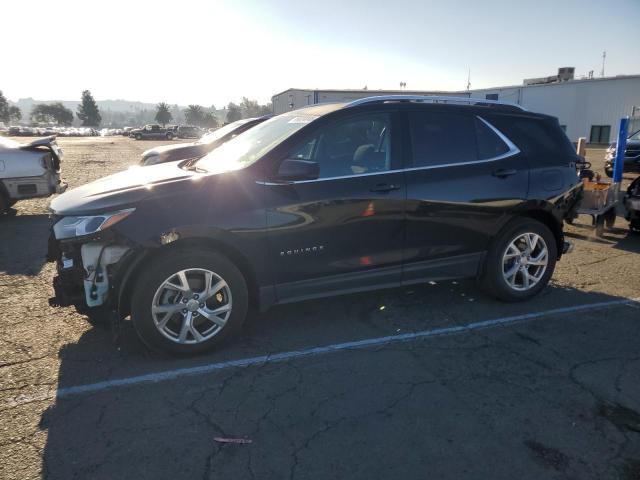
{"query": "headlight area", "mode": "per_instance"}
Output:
(78, 226)
(86, 257)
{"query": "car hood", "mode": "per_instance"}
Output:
(120, 190)
(166, 148)
(630, 143)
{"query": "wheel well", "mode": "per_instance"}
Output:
(551, 222)
(239, 260)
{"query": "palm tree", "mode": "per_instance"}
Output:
(163, 114)
(194, 115)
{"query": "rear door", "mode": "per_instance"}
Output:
(465, 180)
(345, 230)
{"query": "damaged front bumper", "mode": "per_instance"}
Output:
(88, 271)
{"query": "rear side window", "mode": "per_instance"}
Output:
(534, 136)
(442, 138)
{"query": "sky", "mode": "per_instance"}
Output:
(212, 52)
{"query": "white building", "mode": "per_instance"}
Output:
(590, 108)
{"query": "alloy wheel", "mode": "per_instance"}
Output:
(524, 261)
(191, 306)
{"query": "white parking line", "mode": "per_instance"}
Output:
(313, 351)
(370, 342)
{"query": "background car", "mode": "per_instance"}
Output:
(29, 170)
(184, 151)
(187, 131)
(631, 155)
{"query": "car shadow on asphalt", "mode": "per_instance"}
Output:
(23, 243)
(74, 423)
(629, 243)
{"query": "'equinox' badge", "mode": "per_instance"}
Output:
(300, 251)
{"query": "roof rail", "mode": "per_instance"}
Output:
(431, 99)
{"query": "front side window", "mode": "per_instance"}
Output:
(442, 138)
(355, 146)
(245, 149)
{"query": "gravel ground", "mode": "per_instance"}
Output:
(444, 409)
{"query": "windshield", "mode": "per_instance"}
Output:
(8, 143)
(245, 149)
(635, 136)
(221, 132)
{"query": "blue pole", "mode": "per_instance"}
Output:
(621, 146)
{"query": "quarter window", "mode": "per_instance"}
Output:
(356, 146)
(490, 145)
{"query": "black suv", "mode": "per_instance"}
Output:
(631, 155)
(326, 200)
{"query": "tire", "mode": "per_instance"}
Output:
(150, 290)
(138, 136)
(493, 281)
(4, 203)
(169, 136)
(608, 172)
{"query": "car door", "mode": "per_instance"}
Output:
(465, 181)
(344, 230)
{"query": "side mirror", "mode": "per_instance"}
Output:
(292, 169)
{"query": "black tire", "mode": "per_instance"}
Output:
(610, 218)
(174, 261)
(169, 136)
(4, 203)
(492, 280)
(138, 136)
(608, 172)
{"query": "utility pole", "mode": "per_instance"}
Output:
(604, 57)
(469, 81)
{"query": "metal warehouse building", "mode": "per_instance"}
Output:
(589, 108)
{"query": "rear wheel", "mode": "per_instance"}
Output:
(520, 262)
(189, 302)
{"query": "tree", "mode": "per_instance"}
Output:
(88, 111)
(16, 115)
(210, 120)
(4, 109)
(194, 115)
(54, 112)
(163, 115)
(233, 113)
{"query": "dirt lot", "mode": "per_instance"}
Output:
(547, 389)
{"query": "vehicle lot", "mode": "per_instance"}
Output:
(556, 396)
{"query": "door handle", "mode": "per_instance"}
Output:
(504, 172)
(384, 188)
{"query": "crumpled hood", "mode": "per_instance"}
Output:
(120, 190)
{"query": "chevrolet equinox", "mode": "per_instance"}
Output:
(326, 200)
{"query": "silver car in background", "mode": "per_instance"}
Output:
(29, 170)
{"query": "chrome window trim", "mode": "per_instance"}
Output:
(513, 150)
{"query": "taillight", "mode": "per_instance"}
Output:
(46, 161)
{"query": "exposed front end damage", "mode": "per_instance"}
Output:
(88, 271)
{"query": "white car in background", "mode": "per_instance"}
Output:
(29, 170)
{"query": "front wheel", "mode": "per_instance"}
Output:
(138, 136)
(189, 302)
(520, 261)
